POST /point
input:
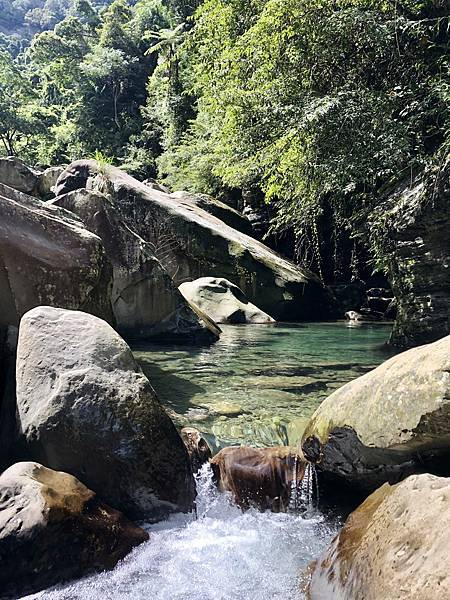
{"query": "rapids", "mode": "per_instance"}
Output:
(219, 554)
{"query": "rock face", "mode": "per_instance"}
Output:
(8, 347)
(48, 258)
(218, 209)
(259, 477)
(191, 243)
(85, 407)
(394, 546)
(386, 424)
(417, 217)
(53, 528)
(223, 301)
(16, 174)
(145, 301)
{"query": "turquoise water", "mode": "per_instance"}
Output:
(260, 383)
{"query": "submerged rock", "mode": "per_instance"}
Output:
(389, 423)
(191, 243)
(145, 301)
(223, 301)
(85, 407)
(46, 257)
(53, 528)
(259, 477)
(394, 546)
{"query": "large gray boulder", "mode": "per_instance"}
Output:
(46, 257)
(16, 174)
(145, 301)
(53, 528)
(191, 243)
(223, 301)
(393, 547)
(391, 422)
(85, 407)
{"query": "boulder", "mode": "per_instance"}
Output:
(53, 528)
(389, 423)
(412, 226)
(48, 179)
(16, 174)
(218, 209)
(223, 301)
(197, 447)
(85, 407)
(394, 546)
(48, 258)
(8, 348)
(191, 243)
(145, 301)
(259, 477)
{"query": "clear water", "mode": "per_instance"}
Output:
(260, 384)
(224, 554)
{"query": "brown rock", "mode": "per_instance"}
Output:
(53, 528)
(197, 447)
(393, 547)
(259, 477)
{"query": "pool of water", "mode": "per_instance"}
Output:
(224, 554)
(260, 384)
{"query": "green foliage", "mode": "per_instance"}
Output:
(315, 103)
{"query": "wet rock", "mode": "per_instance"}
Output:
(53, 528)
(197, 447)
(46, 257)
(16, 174)
(85, 407)
(145, 301)
(259, 477)
(395, 545)
(223, 301)
(191, 243)
(387, 424)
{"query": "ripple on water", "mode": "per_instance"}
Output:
(225, 554)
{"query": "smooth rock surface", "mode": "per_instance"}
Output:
(259, 477)
(48, 179)
(16, 174)
(46, 257)
(145, 301)
(390, 422)
(53, 528)
(191, 243)
(85, 407)
(223, 301)
(393, 547)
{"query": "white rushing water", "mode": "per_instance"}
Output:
(223, 554)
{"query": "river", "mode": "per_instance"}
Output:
(257, 385)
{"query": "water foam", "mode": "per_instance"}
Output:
(223, 554)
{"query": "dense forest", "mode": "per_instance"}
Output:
(308, 110)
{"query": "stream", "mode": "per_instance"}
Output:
(258, 386)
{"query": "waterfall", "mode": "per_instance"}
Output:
(304, 493)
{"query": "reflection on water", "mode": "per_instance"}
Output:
(259, 384)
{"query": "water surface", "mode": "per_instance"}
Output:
(260, 383)
(225, 554)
